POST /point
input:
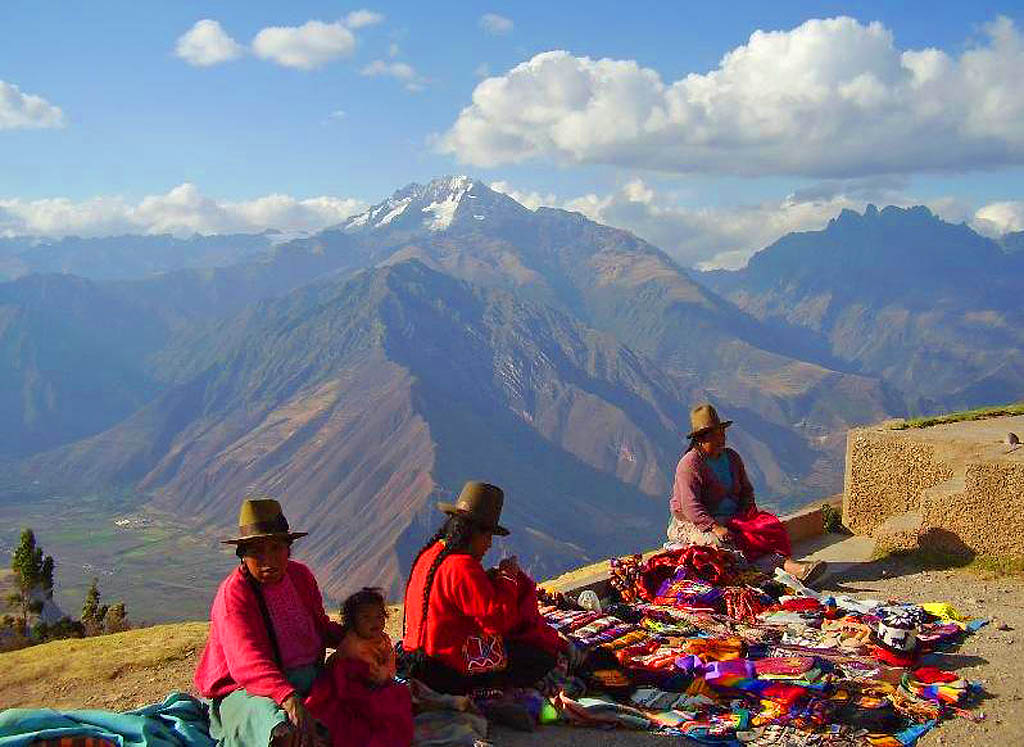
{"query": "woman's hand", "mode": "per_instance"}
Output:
(574, 653)
(722, 532)
(509, 566)
(305, 726)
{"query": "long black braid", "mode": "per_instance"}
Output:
(456, 532)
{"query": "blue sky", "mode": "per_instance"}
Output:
(137, 119)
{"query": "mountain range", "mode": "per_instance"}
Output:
(931, 307)
(449, 333)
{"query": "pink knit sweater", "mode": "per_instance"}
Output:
(238, 653)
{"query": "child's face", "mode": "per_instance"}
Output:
(370, 619)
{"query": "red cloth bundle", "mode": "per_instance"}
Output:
(893, 658)
(742, 604)
(783, 693)
(931, 675)
(801, 604)
(760, 533)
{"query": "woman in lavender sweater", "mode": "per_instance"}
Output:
(712, 502)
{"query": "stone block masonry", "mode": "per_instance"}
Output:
(957, 487)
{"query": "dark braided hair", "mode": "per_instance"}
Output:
(368, 595)
(456, 532)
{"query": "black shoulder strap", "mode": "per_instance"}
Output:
(255, 585)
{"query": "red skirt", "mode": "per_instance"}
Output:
(357, 714)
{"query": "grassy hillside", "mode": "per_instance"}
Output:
(118, 671)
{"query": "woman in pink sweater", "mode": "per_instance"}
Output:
(263, 665)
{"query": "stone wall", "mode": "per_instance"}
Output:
(956, 486)
(885, 476)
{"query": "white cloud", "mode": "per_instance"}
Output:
(305, 47)
(26, 111)
(482, 70)
(492, 23)
(727, 236)
(206, 44)
(393, 49)
(532, 200)
(829, 98)
(399, 70)
(357, 19)
(998, 218)
(183, 210)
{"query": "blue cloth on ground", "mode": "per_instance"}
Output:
(180, 721)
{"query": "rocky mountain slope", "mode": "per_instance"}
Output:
(361, 402)
(931, 307)
(447, 333)
(128, 256)
(72, 360)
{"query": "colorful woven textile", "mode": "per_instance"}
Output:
(702, 646)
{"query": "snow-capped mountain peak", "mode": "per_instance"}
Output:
(431, 206)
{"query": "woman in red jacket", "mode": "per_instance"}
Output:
(467, 628)
(263, 665)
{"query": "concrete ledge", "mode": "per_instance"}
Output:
(810, 521)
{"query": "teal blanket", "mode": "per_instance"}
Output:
(180, 721)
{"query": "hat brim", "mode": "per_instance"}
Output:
(452, 510)
(701, 431)
(276, 535)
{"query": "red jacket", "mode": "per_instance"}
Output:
(238, 653)
(466, 601)
(696, 491)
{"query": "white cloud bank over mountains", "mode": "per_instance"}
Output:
(182, 211)
(829, 98)
(695, 236)
(998, 218)
(24, 111)
(726, 237)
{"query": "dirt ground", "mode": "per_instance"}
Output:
(142, 666)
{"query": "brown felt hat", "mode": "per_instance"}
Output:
(262, 517)
(704, 419)
(480, 502)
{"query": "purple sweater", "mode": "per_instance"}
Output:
(696, 491)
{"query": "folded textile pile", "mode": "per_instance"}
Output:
(179, 721)
(700, 644)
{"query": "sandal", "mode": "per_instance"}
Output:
(812, 572)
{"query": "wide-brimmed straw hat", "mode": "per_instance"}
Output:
(259, 518)
(704, 419)
(480, 502)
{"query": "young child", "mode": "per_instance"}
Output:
(362, 674)
(363, 616)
